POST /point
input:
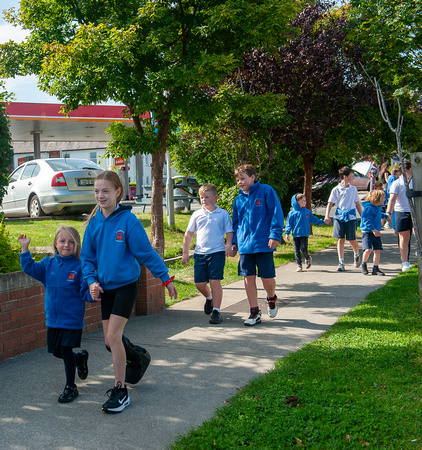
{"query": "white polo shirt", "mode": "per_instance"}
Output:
(210, 228)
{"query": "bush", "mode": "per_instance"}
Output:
(9, 256)
(226, 196)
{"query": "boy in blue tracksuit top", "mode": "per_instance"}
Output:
(258, 228)
(64, 302)
(298, 223)
(371, 226)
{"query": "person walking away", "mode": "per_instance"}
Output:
(211, 224)
(64, 302)
(371, 226)
(258, 228)
(346, 197)
(298, 223)
(113, 243)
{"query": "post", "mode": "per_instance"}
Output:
(169, 193)
(416, 159)
(139, 174)
(37, 143)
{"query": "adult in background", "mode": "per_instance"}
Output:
(403, 220)
(384, 174)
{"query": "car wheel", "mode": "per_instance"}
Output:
(35, 209)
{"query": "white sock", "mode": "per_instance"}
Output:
(209, 298)
(217, 309)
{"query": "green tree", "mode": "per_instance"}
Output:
(6, 155)
(391, 33)
(148, 55)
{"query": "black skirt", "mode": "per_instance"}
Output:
(58, 337)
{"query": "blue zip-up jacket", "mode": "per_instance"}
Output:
(110, 248)
(65, 290)
(371, 217)
(257, 217)
(299, 219)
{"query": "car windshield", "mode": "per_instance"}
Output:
(72, 164)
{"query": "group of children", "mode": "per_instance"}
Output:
(84, 273)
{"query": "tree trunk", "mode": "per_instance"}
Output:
(158, 158)
(308, 164)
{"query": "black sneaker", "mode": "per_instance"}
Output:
(68, 395)
(364, 269)
(208, 306)
(215, 317)
(377, 272)
(118, 400)
(82, 364)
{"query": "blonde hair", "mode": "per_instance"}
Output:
(115, 180)
(375, 197)
(209, 187)
(75, 236)
(299, 197)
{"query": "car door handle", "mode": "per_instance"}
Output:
(29, 183)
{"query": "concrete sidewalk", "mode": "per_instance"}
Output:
(195, 366)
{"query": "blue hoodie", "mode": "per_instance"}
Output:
(257, 218)
(65, 290)
(299, 219)
(371, 216)
(111, 247)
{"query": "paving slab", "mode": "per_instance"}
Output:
(195, 366)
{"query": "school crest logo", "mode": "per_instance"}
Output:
(119, 236)
(258, 202)
(71, 276)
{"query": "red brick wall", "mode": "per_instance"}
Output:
(22, 320)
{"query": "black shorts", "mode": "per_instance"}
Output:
(264, 261)
(119, 301)
(403, 221)
(370, 241)
(209, 267)
(346, 230)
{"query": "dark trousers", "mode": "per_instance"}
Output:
(301, 246)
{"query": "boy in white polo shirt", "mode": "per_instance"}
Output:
(345, 196)
(210, 223)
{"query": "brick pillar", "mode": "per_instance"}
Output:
(151, 294)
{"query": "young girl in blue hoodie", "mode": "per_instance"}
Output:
(298, 223)
(65, 297)
(371, 226)
(113, 243)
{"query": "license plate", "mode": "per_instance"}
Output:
(85, 182)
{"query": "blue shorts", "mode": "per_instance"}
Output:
(370, 241)
(209, 267)
(250, 261)
(403, 221)
(345, 229)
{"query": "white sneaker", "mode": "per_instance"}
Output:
(272, 307)
(253, 320)
(405, 266)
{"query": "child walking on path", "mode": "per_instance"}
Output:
(114, 239)
(210, 224)
(371, 225)
(65, 297)
(298, 223)
(258, 228)
(347, 199)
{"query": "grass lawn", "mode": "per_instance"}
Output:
(42, 235)
(358, 386)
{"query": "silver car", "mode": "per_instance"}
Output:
(51, 186)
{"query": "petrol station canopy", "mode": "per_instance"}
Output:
(86, 124)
